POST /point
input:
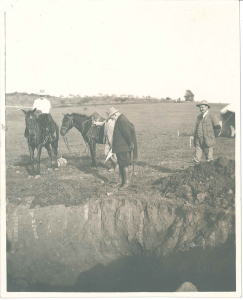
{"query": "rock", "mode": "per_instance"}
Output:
(185, 191)
(201, 243)
(230, 192)
(211, 240)
(201, 197)
(218, 201)
(187, 287)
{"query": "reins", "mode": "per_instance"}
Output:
(71, 126)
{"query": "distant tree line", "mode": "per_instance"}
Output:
(27, 99)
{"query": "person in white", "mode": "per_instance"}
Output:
(109, 124)
(43, 106)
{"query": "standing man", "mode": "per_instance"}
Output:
(124, 142)
(109, 125)
(43, 106)
(207, 128)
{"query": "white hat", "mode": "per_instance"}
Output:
(42, 93)
(203, 102)
(111, 111)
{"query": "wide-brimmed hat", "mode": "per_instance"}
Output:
(203, 102)
(111, 111)
(42, 93)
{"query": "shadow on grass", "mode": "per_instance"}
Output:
(83, 164)
(25, 162)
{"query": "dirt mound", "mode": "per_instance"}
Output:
(212, 183)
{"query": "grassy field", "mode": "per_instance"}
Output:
(163, 132)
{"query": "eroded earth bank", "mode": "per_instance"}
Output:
(151, 237)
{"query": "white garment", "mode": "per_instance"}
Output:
(44, 105)
(108, 134)
(204, 115)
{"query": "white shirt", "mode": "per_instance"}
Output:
(44, 105)
(204, 115)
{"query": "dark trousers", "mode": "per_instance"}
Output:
(124, 159)
(47, 122)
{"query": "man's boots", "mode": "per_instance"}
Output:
(119, 184)
(125, 178)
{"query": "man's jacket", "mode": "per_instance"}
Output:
(123, 135)
(210, 128)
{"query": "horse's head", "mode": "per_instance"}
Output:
(30, 121)
(67, 124)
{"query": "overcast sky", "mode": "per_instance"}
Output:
(156, 48)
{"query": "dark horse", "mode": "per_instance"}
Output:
(37, 138)
(91, 134)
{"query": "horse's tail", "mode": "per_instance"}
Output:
(135, 149)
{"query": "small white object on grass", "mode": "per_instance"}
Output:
(178, 133)
(62, 162)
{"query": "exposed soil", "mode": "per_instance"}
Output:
(212, 183)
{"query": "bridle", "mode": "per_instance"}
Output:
(69, 125)
(31, 136)
(67, 128)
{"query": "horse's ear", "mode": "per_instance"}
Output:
(64, 114)
(34, 110)
(24, 111)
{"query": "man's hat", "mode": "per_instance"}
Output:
(42, 93)
(111, 111)
(203, 102)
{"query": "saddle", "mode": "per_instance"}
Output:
(95, 133)
(48, 125)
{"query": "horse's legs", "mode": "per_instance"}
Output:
(92, 147)
(54, 148)
(47, 146)
(39, 148)
(32, 151)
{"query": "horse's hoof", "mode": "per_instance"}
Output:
(37, 176)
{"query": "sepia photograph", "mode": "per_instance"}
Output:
(120, 149)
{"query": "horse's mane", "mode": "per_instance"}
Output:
(81, 115)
